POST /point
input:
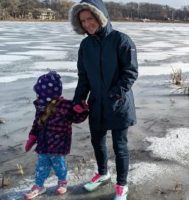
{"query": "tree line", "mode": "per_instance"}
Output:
(23, 9)
(148, 11)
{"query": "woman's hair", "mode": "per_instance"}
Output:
(101, 15)
(92, 13)
(49, 111)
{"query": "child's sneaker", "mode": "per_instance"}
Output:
(121, 192)
(62, 187)
(97, 181)
(35, 191)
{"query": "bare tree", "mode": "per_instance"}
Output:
(62, 7)
(117, 11)
(26, 6)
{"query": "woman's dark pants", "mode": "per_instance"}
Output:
(119, 137)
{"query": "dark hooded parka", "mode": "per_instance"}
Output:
(107, 68)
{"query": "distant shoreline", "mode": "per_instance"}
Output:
(130, 21)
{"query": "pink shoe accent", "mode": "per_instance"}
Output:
(35, 191)
(62, 187)
(119, 190)
(96, 177)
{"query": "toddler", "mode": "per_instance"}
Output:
(52, 131)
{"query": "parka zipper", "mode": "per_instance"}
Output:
(102, 80)
(100, 43)
(101, 71)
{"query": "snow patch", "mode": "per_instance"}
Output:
(174, 146)
(144, 172)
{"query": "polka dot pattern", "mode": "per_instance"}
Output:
(48, 87)
(55, 138)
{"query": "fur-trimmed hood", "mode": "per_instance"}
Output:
(97, 7)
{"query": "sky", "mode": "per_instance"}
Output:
(173, 3)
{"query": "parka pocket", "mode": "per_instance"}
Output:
(120, 105)
(117, 106)
(119, 101)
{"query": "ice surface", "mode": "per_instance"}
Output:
(63, 65)
(48, 55)
(164, 69)
(26, 47)
(6, 59)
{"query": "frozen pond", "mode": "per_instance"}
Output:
(27, 48)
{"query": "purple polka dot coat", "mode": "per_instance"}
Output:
(55, 136)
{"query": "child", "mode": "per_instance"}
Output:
(52, 131)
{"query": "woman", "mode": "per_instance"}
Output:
(107, 68)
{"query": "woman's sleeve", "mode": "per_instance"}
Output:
(82, 88)
(128, 65)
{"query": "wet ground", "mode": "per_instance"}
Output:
(158, 145)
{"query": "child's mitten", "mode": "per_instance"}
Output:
(30, 142)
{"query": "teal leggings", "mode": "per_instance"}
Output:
(45, 163)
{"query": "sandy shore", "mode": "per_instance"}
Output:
(158, 145)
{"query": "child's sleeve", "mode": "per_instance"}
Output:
(76, 117)
(32, 137)
(71, 115)
(79, 117)
(35, 127)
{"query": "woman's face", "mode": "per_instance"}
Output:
(88, 22)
